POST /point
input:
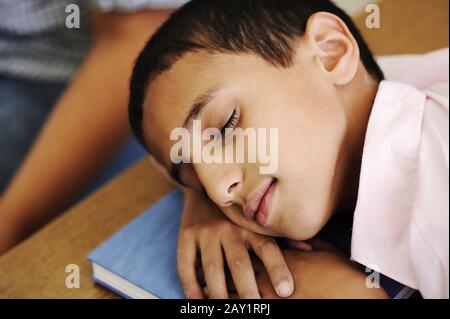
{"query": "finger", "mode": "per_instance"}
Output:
(186, 257)
(270, 254)
(265, 286)
(213, 270)
(319, 244)
(300, 245)
(241, 268)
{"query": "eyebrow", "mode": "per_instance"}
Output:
(199, 104)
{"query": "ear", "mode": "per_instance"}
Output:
(333, 45)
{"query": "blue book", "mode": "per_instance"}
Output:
(139, 261)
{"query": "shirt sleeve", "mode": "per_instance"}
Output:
(134, 5)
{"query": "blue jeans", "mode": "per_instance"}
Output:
(24, 106)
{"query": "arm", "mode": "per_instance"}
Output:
(83, 132)
(322, 273)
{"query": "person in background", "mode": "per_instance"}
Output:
(63, 102)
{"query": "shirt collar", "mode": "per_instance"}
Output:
(387, 182)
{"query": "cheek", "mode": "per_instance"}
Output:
(308, 154)
(310, 136)
(306, 174)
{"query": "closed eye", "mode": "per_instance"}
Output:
(232, 121)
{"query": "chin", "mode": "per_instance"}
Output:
(303, 234)
(304, 231)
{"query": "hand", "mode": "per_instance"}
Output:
(205, 229)
(320, 273)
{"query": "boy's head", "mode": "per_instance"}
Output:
(299, 66)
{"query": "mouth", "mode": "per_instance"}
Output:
(260, 203)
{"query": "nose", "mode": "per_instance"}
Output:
(222, 182)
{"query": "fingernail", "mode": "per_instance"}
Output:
(305, 246)
(284, 289)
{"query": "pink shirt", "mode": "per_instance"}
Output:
(401, 220)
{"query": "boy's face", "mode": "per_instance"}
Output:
(299, 101)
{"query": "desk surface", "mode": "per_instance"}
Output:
(36, 267)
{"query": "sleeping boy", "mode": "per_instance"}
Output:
(348, 142)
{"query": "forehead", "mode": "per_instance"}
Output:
(171, 94)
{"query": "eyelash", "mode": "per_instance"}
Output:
(232, 121)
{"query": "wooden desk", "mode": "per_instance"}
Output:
(36, 268)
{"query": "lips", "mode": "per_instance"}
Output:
(259, 204)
